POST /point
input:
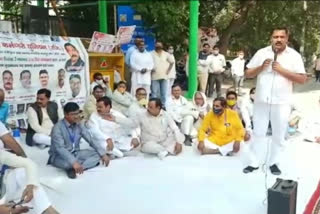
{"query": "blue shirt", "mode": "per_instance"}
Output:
(4, 111)
(128, 54)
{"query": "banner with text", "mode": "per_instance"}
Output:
(29, 62)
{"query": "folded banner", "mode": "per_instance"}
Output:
(29, 62)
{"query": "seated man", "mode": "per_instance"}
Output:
(22, 183)
(201, 105)
(139, 106)
(65, 150)
(225, 131)
(90, 105)
(109, 128)
(232, 104)
(181, 111)
(42, 115)
(121, 99)
(4, 108)
(159, 133)
(98, 80)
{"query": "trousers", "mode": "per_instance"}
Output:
(87, 158)
(41, 139)
(159, 89)
(278, 115)
(214, 79)
(203, 80)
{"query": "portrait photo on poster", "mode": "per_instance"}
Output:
(75, 63)
(20, 108)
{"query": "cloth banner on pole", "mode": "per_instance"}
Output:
(29, 62)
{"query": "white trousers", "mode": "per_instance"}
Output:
(153, 147)
(187, 124)
(41, 139)
(278, 115)
(120, 145)
(169, 84)
(244, 151)
(15, 183)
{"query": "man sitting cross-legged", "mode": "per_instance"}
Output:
(222, 132)
(159, 133)
(109, 128)
(65, 150)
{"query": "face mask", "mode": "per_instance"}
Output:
(100, 82)
(215, 52)
(143, 102)
(231, 102)
(217, 111)
(170, 51)
(121, 90)
(241, 56)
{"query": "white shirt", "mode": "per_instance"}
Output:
(46, 125)
(238, 67)
(172, 74)
(246, 109)
(12, 160)
(178, 108)
(273, 88)
(139, 61)
(104, 129)
(217, 63)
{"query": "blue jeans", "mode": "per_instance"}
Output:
(159, 89)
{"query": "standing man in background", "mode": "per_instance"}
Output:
(128, 72)
(277, 67)
(237, 71)
(141, 65)
(217, 67)
(203, 67)
(163, 64)
(172, 74)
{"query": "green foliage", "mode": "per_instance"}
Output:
(13, 6)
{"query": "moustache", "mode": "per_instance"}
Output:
(278, 43)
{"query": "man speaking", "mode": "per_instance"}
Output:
(277, 67)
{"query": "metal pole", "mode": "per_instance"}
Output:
(103, 26)
(193, 48)
(40, 3)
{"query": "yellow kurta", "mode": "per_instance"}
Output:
(222, 129)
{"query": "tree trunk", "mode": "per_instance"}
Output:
(239, 18)
(63, 31)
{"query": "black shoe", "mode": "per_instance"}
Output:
(275, 170)
(249, 169)
(71, 173)
(188, 141)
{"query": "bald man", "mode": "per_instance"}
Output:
(4, 108)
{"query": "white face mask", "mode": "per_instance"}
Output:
(100, 82)
(241, 56)
(215, 52)
(170, 51)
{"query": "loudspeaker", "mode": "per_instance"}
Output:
(282, 197)
(35, 20)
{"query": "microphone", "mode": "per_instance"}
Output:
(275, 54)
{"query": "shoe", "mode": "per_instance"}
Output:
(162, 155)
(275, 169)
(71, 173)
(249, 169)
(188, 141)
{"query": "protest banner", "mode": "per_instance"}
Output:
(29, 62)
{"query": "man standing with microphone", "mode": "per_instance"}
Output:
(277, 67)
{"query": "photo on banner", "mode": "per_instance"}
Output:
(29, 62)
